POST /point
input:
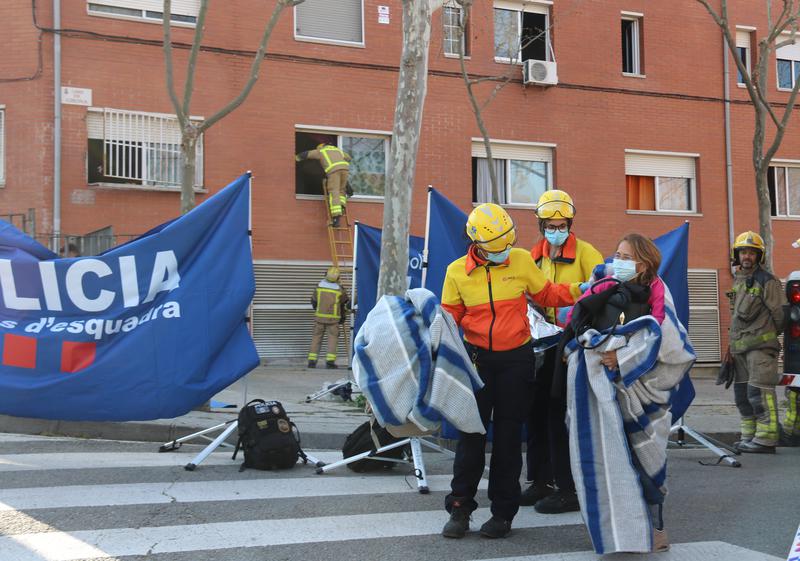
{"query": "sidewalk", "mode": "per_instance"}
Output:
(325, 423)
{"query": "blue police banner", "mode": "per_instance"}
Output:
(146, 330)
(368, 257)
(447, 239)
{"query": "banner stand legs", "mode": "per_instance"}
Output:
(722, 450)
(231, 425)
(416, 444)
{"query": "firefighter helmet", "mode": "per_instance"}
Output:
(750, 240)
(555, 204)
(332, 275)
(491, 228)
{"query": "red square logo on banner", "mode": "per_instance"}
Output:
(19, 351)
(76, 356)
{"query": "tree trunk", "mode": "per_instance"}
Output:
(764, 213)
(411, 88)
(188, 163)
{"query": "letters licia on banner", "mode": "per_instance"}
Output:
(146, 330)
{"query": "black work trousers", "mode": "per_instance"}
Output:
(547, 454)
(505, 401)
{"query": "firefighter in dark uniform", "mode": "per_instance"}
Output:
(335, 163)
(331, 303)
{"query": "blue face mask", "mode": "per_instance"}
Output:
(624, 270)
(556, 238)
(498, 257)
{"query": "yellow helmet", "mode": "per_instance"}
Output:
(321, 145)
(555, 204)
(750, 240)
(332, 275)
(491, 228)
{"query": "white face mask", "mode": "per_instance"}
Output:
(499, 257)
(624, 269)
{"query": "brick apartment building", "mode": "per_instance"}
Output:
(627, 114)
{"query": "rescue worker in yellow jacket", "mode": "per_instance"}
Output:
(756, 321)
(335, 163)
(486, 293)
(331, 303)
(562, 257)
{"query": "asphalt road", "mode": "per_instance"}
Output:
(69, 499)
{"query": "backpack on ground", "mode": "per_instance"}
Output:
(370, 436)
(267, 436)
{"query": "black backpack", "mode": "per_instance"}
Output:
(267, 436)
(364, 439)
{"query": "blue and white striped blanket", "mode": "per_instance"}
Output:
(412, 365)
(613, 415)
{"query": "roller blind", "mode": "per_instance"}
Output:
(654, 165)
(743, 39)
(514, 152)
(182, 7)
(704, 330)
(791, 52)
(335, 20)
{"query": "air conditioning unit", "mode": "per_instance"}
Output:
(540, 72)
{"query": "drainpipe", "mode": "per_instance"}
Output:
(56, 125)
(728, 157)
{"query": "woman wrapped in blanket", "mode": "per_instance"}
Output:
(626, 356)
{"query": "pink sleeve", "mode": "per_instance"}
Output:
(656, 300)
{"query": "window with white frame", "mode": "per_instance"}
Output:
(631, 29)
(743, 46)
(135, 148)
(784, 189)
(521, 32)
(330, 21)
(2, 146)
(523, 172)
(182, 11)
(367, 172)
(454, 30)
(660, 182)
(788, 61)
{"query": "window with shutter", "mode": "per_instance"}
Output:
(182, 11)
(136, 148)
(333, 21)
(660, 182)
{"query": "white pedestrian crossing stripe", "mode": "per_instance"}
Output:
(31, 529)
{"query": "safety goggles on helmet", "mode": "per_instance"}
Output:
(555, 209)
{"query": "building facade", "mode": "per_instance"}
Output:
(619, 102)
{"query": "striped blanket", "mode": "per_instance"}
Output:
(619, 419)
(412, 365)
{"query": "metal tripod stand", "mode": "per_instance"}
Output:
(722, 450)
(415, 442)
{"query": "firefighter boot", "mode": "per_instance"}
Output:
(790, 435)
(748, 417)
(765, 406)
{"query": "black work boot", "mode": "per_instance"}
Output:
(755, 448)
(458, 525)
(335, 221)
(495, 528)
(312, 363)
(535, 493)
(330, 364)
(558, 502)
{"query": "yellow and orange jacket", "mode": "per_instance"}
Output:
(575, 263)
(489, 301)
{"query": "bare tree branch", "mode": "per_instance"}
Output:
(199, 29)
(182, 119)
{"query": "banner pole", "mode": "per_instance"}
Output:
(250, 239)
(425, 244)
(354, 307)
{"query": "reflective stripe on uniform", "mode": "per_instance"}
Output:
(791, 424)
(769, 430)
(330, 357)
(748, 428)
(337, 294)
(748, 342)
(329, 165)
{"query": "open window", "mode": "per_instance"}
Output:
(743, 50)
(522, 32)
(135, 148)
(660, 182)
(369, 153)
(631, 34)
(784, 190)
(523, 172)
